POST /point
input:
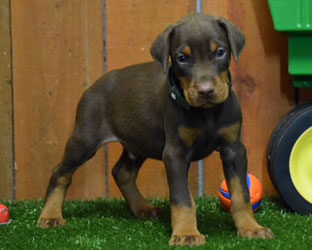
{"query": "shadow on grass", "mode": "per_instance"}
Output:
(109, 208)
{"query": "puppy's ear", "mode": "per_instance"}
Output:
(161, 47)
(235, 36)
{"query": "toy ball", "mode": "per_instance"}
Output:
(255, 191)
(4, 215)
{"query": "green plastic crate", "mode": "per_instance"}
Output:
(292, 15)
(295, 18)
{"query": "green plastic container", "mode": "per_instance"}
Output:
(295, 18)
(292, 15)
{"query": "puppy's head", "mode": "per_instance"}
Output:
(199, 48)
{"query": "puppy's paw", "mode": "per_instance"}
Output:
(50, 222)
(187, 239)
(255, 232)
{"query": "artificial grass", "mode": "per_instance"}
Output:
(108, 224)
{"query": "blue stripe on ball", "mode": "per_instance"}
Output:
(248, 181)
(225, 194)
(228, 195)
(256, 205)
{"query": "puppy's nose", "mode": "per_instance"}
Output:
(206, 89)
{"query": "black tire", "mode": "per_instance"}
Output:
(284, 137)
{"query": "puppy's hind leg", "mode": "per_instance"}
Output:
(125, 173)
(89, 134)
(78, 151)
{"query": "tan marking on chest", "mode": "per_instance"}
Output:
(188, 135)
(230, 133)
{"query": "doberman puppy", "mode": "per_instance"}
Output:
(178, 109)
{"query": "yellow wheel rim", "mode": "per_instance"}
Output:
(300, 165)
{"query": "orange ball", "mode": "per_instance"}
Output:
(4, 215)
(255, 191)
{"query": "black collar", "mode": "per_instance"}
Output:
(175, 91)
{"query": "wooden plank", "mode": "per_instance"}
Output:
(6, 110)
(57, 54)
(261, 82)
(132, 26)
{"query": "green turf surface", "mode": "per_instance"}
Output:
(108, 224)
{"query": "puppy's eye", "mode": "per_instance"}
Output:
(182, 58)
(220, 53)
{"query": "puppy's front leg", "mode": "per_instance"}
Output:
(234, 160)
(183, 208)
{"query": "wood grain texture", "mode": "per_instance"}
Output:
(132, 26)
(57, 54)
(6, 109)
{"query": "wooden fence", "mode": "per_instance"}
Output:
(51, 51)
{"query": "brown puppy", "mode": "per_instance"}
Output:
(177, 111)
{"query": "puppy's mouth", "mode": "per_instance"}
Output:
(218, 99)
(206, 94)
